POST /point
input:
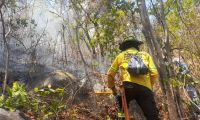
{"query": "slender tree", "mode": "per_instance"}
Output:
(155, 46)
(6, 46)
(168, 57)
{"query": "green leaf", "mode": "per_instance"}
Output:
(15, 85)
(36, 89)
(2, 100)
(60, 90)
(9, 90)
(47, 92)
(47, 115)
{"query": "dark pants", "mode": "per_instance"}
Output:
(144, 98)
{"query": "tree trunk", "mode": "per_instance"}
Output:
(168, 57)
(2, 3)
(85, 65)
(154, 45)
(65, 45)
(165, 30)
(7, 51)
(79, 47)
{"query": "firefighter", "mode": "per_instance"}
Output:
(139, 86)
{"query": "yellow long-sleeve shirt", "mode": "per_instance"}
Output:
(121, 63)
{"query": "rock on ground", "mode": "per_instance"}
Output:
(56, 79)
(7, 115)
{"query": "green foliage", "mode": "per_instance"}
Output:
(175, 82)
(197, 2)
(124, 5)
(22, 22)
(17, 97)
(111, 25)
(11, 3)
(182, 22)
(48, 102)
(44, 103)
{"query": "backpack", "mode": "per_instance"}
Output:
(136, 65)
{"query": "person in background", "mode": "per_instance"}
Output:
(188, 80)
(138, 87)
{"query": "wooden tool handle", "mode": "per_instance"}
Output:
(124, 103)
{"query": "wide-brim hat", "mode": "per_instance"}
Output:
(129, 42)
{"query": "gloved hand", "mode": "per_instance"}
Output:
(114, 91)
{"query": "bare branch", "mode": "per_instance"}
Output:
(9, 30)
(38, 40)
(2, 2)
